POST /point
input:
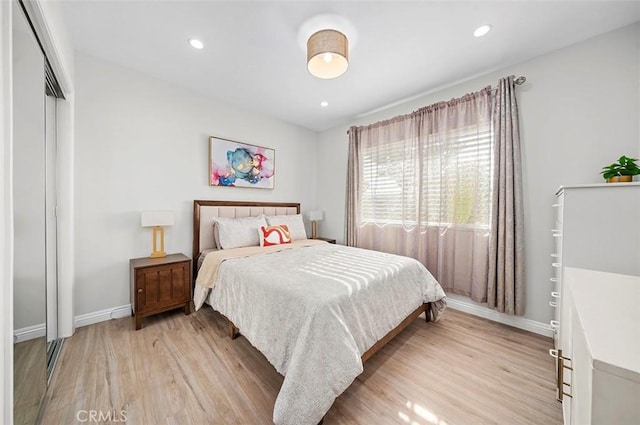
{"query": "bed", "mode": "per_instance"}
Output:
(315, 310)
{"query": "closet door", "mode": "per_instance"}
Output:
(29, 221)
(51, 225)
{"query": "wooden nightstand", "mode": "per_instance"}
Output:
(160, 284)
(333, 241)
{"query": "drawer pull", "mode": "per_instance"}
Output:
(556, 265)
(554, 256)
(555, 205)
(553, 304)
(554, 279)
(140, 291)
(564, 366)
(555, 294)
(554, 324)
(560, 367)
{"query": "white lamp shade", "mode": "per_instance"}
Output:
(316, 215)
(156, 218)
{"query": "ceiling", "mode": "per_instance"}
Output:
(253, 57)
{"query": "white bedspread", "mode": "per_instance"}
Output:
(313, 311)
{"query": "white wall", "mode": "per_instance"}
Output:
(579, 111)
(142, 144)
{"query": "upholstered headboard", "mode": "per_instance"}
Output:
(205, 211)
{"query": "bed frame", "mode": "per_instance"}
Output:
(203, 213)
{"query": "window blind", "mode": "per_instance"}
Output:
(444, 181)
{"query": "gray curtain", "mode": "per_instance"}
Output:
(506, 276)
(353, 182)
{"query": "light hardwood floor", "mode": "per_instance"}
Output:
(185, 370)
(29, 379)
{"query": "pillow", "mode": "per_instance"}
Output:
(238, 232)
(216, 235)
(274, 235)
(293, 222)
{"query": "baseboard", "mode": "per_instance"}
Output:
(30, 332)
(540, 328)
(40, 330)
(515, 321)
(102, 315)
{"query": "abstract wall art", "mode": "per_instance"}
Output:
(237, 164)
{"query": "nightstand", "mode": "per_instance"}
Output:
(333, 241)
(160, 284)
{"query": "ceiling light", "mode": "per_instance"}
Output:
(196, 44)
(482, 30)
(327, 54)
(324, 103)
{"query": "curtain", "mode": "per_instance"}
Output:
(353, 184)
(506, 280)
(420, 185)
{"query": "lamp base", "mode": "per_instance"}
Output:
(158, 236)
(314, 229)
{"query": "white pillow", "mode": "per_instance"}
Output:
(239, 232)
(293, 222)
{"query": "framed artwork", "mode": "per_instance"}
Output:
(240, 164)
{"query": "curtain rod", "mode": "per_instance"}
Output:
(518, 81)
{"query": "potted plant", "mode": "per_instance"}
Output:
(621, 171)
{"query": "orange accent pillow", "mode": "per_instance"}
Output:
(274, 235)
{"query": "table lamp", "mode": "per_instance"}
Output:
(157, 219)
(314, 217)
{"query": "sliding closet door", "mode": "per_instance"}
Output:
(51, 225)
(29, 221)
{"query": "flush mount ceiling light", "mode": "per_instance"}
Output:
(324, 103)
(327, 54)
(196, 44)
(482, 30)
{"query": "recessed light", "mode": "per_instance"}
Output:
(196, 44)
(324, 103)
(482, 30)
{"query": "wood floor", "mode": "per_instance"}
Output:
(185, 370)
(29, 379)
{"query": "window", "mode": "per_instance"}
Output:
(421, 185)
(445, 180)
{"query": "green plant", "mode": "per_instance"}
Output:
(624, 167)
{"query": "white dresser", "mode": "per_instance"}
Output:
(597, 227)
(602, 355)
